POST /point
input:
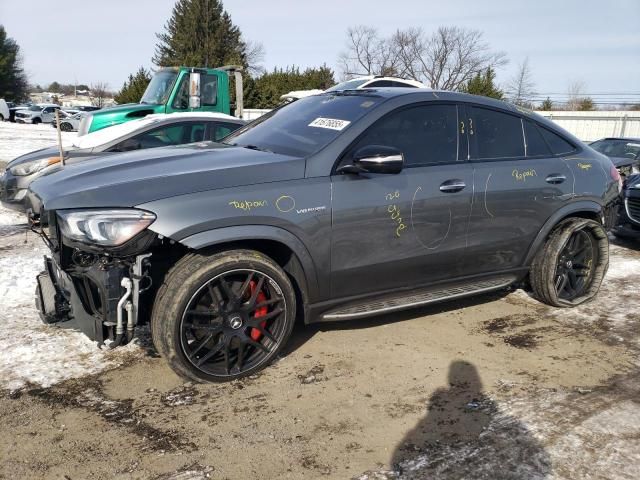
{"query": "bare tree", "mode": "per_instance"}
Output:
(367, 53)
(100, 93)
(255, 54)
(446, 59)
(575, 94)
(521, 86)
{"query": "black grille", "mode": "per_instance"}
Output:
(633, 209)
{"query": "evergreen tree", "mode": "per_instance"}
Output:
(13, 80)
(483, 84)
(266, 90)
(134, 87)
(585, 104)
(546, 105)
(200, 33)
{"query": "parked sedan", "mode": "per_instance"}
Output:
(148, 132)
(624, 152)
(68, 122)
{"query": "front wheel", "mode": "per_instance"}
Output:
(570, 267)
(223, 316)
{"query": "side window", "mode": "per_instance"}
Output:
(497, 134)
(209, 90)
(164, 136)
(536, 146)
(425, 134)
(48, 110)
(379, 84)
(558, 144)
(401, 84)
(181, 100)
(217, 130)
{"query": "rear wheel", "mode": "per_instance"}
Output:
(223, 316)
(570, 267)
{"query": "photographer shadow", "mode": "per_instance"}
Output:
(466, 436)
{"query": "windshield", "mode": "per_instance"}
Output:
(34, 108)
(618, 148)
(348, 85)
(304, 127)
(157, 93)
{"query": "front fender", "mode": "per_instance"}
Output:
(575, 209)
(259, 232)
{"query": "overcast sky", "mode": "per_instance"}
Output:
(594, 41)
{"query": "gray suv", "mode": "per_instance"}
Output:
(335, 207)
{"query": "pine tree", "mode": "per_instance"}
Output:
(266, 90)
(483, 84)
(133, 89)
(13, 80)
(200, 33)
(546, 105)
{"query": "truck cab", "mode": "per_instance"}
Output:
(174, 89)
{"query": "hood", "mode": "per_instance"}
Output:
(133, 178)
(35, 155)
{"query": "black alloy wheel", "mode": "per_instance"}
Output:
(233, 323)
(574, 272)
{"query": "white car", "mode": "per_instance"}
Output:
(369, 81)
(40, 113)
(4, 111)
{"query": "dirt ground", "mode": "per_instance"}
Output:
(494, 387)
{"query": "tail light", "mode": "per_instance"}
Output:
(615, 175)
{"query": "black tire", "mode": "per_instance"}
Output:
(36, 121)
(1, 118)
(209, 309)
(569, 269)
(65, 127)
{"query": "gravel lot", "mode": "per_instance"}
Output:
(496, 387)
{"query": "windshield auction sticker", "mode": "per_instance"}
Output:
(331, 123)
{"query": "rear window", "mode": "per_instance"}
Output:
(558, 144)
(536, 146)
(498, 135)
(305, 126)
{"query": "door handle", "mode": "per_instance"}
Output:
(452, 186)
(555, 178)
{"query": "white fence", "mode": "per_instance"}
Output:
(589, 126)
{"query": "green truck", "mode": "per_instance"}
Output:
(176, 89)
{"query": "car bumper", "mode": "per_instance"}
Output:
(85, 300)
(23, 120)
(628, 224)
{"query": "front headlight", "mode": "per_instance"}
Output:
(108, 228)
(33, 166)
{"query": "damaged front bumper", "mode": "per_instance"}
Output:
(98, 294)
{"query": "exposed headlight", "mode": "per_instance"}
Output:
(33, 167)
(109, 228)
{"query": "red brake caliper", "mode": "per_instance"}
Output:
(260, 312)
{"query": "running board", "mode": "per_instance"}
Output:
(414, 299)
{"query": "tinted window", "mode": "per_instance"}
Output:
(305, 126)
(378, 84)
(558, 144)
(218, 130)
(497, 134)
(164, 136)
(425, 134)
(618, 148)
(536, 146)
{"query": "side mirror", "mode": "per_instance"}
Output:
(375, 159)
(194, 90)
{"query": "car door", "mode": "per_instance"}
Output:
(518, 185)
(48, 114)
(403, 230)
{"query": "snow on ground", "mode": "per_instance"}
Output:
(30, 351)
(17, 139)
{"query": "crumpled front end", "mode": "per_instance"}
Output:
(97, 291)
